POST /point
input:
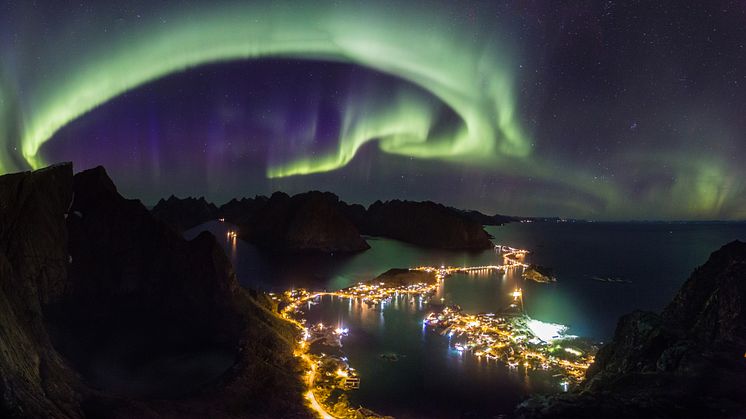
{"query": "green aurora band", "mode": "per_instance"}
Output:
(467, 77)
(463, 68)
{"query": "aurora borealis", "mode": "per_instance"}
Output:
(592, 109)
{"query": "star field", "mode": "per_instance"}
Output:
(588, 109)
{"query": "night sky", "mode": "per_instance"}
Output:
(588, 109)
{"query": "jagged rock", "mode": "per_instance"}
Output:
(710, 305)
(183, 214)
(101, 284)
(688, 361)
(426, 224)
(308, 222)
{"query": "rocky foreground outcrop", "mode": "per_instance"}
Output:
(35, 380)
(183, 214)
(107, 312)
(689, 361)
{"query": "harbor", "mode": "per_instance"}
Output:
(509, 337)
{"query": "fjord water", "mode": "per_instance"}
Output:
(603, 270)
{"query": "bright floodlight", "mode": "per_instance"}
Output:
(546, 331)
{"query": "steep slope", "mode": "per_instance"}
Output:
(688, 361)
(111, 313)
(34, 379)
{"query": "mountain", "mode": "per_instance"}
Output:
(183, 214)
(35, 380)
(488, 220)
(319, 222)
(688, 361)
(307, 222)
(425, 224)
(241, 211)
(106, 311)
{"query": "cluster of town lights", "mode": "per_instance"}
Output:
(514, 339)
(511, 337)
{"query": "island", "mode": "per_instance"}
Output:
(320, 222)
(401, 277)
(425, 224)
(539, 274)
(308, 222)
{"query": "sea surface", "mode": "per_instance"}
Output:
(603, 270)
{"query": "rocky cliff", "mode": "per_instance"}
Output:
(183, 214)
(689, 361)
(108, 312)
(35, 381)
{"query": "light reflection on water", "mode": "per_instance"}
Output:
(434, 380)
(429, 378)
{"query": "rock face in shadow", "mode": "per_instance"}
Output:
(425, 224)
(108, 312)
(319, 222)
(241, 211)
(488, 220)
(307, 222)
(689, 361)
(133, 280)
(183, 214)
(35, 380)
(710, 306)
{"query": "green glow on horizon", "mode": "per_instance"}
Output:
(472, 79)
(462, 70)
